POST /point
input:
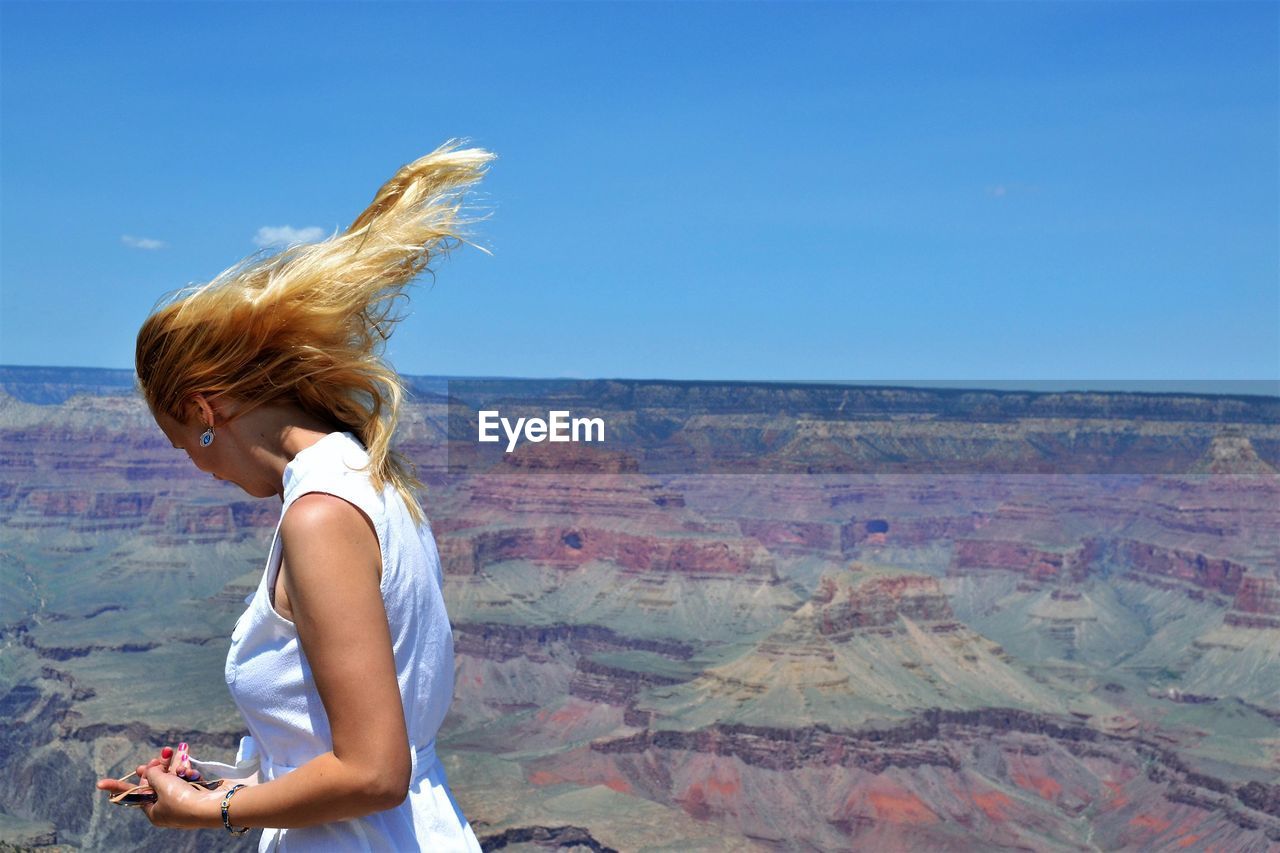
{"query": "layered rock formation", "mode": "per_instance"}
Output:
(766, 616)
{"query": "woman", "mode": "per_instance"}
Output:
(271, 377)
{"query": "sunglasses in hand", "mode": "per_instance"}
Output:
(140, 795)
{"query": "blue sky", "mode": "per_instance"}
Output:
(836, 191)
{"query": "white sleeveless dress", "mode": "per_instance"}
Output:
(271, 683)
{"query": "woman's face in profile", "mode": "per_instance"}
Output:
(223, 459)
(186, 436)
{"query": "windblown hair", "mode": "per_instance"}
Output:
(308, 324)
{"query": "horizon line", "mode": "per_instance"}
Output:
(1266, 388)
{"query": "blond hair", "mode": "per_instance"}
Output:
(307, 325)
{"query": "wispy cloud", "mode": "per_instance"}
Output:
(1005, 190)
(142, 242)
(285, 235)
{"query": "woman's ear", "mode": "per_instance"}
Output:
(204, 409)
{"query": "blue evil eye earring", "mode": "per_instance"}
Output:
(206, 437)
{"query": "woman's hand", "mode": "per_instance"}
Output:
(179, 805)
(118, 786)
(175, 806)
(176, 761)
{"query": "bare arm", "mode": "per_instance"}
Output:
(333, 586)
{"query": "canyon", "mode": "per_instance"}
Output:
(760, 616)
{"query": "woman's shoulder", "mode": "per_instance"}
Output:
(331, 479)
(320, 513)
(320, 525)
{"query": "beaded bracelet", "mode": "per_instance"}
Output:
(226, 819)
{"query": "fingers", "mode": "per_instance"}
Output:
(165, 759)
(113, 786)
(155, 774)
(178, 759)
(161, 780)
(142, 768)
(166, 753)
(170, 761)
(180, 763)
(185, 770)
